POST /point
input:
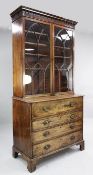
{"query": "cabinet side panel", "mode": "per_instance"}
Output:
(22, 126)
(18, 54)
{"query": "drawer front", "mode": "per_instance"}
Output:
(43, 109)
(55, 144)
(56, 132)
(56, 120)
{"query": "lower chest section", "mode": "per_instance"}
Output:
(56, 125)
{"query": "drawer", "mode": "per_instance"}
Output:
(56, 131)
(56, 120)
(56, 144)
(44, 109)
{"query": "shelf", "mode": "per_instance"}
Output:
(38, 33)
(63, 57)
(60, 47)
(40, 55)
(33, 68)
(40, 44)
(46, 45)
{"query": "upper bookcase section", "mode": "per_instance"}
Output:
(23, 11)
(43, 52)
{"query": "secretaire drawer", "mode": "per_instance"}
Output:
(56, 131)
(55, 144)
(43, 109)
(56, 120)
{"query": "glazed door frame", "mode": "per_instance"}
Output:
(50, 48)
(52, 52)
(68, 29)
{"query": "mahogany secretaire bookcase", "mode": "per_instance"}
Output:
(47, 115)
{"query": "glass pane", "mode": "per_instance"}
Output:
(63, 59)
(37, 57)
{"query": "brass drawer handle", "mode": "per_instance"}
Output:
(46, 122)
(72, 116)
(45, 134)
(72, 137)
(70, 104)
(46, 147)
(72, 126)
(46, 108)
(60, 115)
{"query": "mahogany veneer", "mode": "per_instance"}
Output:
(47, 115)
